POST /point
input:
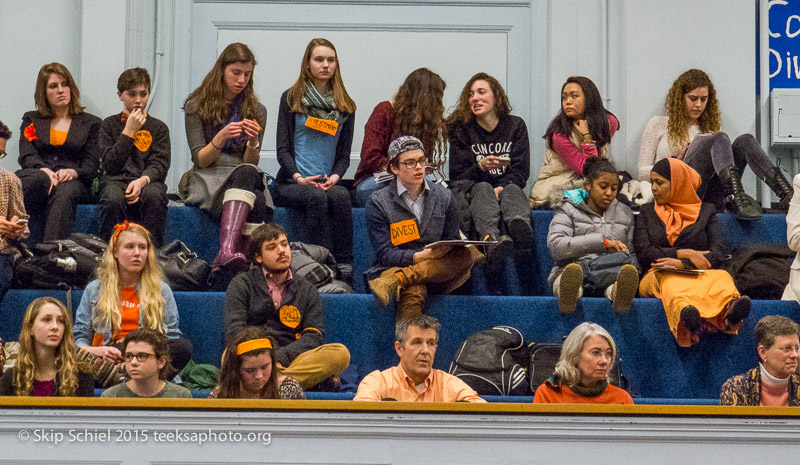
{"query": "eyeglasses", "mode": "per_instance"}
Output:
(141, 356)
(789, 349)
(411, 164)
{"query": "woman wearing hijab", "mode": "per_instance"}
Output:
(677, 235)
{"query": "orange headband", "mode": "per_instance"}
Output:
(119, 228)
(254, 344)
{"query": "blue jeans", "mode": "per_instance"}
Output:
(366, 188)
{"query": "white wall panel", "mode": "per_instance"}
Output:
(633, 50)
(378, 46)
(664, 39)
(33, 33)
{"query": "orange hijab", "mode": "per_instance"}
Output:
(684, 204)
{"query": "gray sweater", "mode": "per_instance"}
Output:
(577, 232)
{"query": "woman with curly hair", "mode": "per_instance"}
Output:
(47, 363)
(249, 369)
(129, 293)
(490, 156)
(58, 151)
(416, 110)
(315, 132)
(690, 131)
(581, 130)
(224, 127)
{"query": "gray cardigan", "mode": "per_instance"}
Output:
(576, 232)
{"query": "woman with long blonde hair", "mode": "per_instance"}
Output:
(690, 131)
(129, 293)
(47, 363)
(315, 132)
(416, 110)
(224, 128)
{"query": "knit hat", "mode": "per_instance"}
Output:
(662, 168)
(404, 144)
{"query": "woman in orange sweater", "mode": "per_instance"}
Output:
(588, 354)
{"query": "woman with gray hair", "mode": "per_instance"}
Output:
(774, 382)
(587, 356)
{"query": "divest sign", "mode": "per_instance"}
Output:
(784, 44)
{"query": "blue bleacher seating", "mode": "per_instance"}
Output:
(655, 366)
(658, 370)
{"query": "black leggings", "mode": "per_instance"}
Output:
(328, 216)
(710, 155)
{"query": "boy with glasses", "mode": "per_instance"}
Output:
(147, 366)
(402, 219)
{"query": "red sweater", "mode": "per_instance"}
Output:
(377, 137)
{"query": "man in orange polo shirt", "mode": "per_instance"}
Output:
(414, 379)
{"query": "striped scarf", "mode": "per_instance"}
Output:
(320, 106)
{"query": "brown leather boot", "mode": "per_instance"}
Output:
(384, 287)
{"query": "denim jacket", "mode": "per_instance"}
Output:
(85, 328)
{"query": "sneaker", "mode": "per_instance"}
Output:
(738, 309)
(521, 234)
(690, 317)
(385, 287)
(569, 288)
(625, 288)
(497, 254)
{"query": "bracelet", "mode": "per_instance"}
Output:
(212, 144)
(296, 177)
(253, 147)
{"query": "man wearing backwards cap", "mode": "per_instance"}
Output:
(404, 217)
(287, 307)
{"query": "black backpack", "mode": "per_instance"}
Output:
(761, 271)
(54, 265)
(493, 362)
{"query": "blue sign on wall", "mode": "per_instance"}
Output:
(784, 44)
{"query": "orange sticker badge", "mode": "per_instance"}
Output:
(328, 126)
(290, 316)
(404, 231)
(142, 140)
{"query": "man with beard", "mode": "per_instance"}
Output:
(414, 379)
(288, 307)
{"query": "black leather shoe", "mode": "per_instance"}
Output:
(690, 317)
(738, 311)
(736, 200)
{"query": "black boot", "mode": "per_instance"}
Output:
(780, 185)
(736, 201)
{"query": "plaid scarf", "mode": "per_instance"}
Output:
(320, 106)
